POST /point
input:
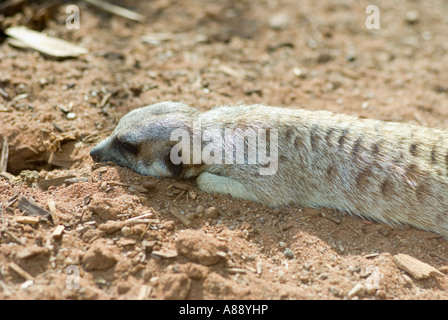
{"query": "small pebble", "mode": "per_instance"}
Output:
(279, 21)
(350, 57)
(212, 212)
(192, 194)
(71, 115)
(357, 290)
(199, 210)
(126, 231)
(288, 253)
(412, 17)
(323, 276)
(190, 215)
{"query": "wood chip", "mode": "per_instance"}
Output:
(236, 270)
(4, 155)
(132, 187)
(156, 38)
(144, 292)
(417, 269)
(175, 212)
(105, 99)
(20, 271)
(57, 233)
(27, 219)
(238, 74)
(54, 182)
(50, 46)
(168, 254)
(119, 11)
(32, 209)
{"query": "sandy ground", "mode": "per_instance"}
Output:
(307, 54)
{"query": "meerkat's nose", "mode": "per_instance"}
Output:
(95, 154)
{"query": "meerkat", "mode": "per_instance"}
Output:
(389, 172)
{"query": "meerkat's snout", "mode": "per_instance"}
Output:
(97, 153)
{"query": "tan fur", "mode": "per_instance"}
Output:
(389, 172)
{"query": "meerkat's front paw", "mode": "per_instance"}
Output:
(212, 183)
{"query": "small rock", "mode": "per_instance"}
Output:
(26, 284)
(175, 286)
(357, 290)
(381, 294)
(311, 43)
(427, 35)
(192, 194)
(168, 225)
(417, 269)
(282, 244)
(126, 231)
(123, 287)
(149, 185)
(288, 253)
(200, 247)
(279, 21)
(110, 227)
(194, 271)
(71, 115)
(350, 57)
(324, 58)
(112, 208)
(259, 267)
(323, 276)
(412, 17)
(385, 230)
(100, 256)
(211, 212)
(190, 215)
(199, 210)
(148, 245)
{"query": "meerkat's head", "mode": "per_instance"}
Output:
(141, 140)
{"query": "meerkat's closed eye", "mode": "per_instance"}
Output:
(125, 147)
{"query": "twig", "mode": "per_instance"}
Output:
(1, 212)
(119, 11)
(175, 212)
(139, 217)
(20, 271)
(355, 231)
(53, 211)
(5, 155)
